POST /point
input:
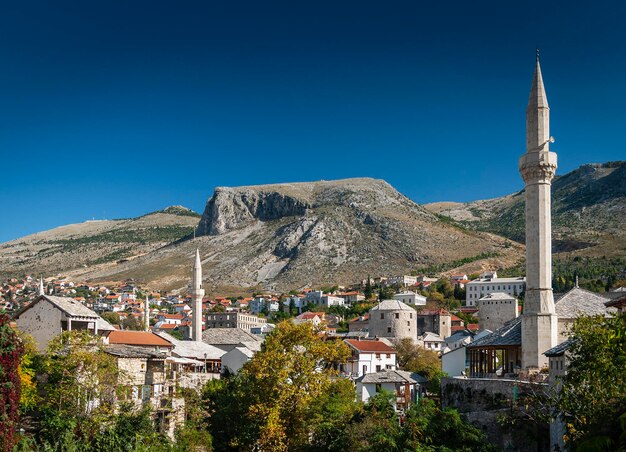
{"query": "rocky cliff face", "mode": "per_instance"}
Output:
(230, 209)
(292, 235)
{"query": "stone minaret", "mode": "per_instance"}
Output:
(42, 290)
(197, 293)
(146, 313)
(537, 166)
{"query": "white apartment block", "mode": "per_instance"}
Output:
(410, 298)
(240, 320)
(488, 284)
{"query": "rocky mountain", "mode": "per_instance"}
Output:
(284, 236)
(94, 244)
(588, 211)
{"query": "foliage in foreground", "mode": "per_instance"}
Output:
(10, 352)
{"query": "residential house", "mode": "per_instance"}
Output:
(48, 316)
(410, 298)
(406, 386)
(229, 338)
(369, 355)
(431, 341)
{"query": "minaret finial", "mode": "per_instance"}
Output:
(537, 51)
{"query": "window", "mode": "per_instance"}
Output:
(388, 355)
(382, 315)
(397, 315)
(389, 329)
(377, 355)
(408, 323)
(364, 369)
(378, 368)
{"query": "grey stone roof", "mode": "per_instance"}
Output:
(392, 305)
(459, 335)
(192, 349)
(228, 336)
(508, 334)
(392, 376)
(578, 302)
(559, 349)
(498, 296)
(130, 351)
(73, 309)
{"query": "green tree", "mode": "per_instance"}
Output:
(592, 400)
(112, 317)
(270, 403)
(413, 358)
(368, 292)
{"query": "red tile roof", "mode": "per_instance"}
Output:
(371, 346)
(137, 338)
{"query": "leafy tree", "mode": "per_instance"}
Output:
(270, 403)
(368, 292)
(376, 427)
(592, 400)
(428, 427)
(112, 317)
(386, 293)
(413, 358)
(10, 352)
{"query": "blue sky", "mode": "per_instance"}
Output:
(112, 109)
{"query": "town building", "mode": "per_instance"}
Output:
(392, 319)
(406, 386)
(490, 283)
(48, 316)
(575, 303)
(495, 309)
(242, 320)
(229, 338)
(438, 321)
(368, 355)
(410, 298)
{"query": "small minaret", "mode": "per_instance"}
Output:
(146, 313)
(537, 167)
(42, 290)
(197, 293)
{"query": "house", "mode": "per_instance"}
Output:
(617, 303)
(316, 318)
(190, 358)
(143, 381)
(233, 360)
(361, 323)
(352, 297)
(431, 341)
(229, 338)
(454, 357)
(48, 316)
(406, 386)
(176, 319)
(330, 300)
(146, 339)
(410, 298)
(259, 304)
(369, 355)
(401, 280)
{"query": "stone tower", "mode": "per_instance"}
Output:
(537, 167)
(197, 293)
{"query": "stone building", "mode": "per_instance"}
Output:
(242, 320)
(489, 283)
(393, 319)
(438, 321)
(48, 316)
(495, 309)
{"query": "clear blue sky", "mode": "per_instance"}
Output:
(112, 108)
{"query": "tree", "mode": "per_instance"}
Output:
(386, 293)
(368, 292)
(592, 400)
(413, 358)
(112, 317)
(10, 352)
(269, 405)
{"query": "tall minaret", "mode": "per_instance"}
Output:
(197, 293)
(146, 313)
(42, 290)
(537, 166)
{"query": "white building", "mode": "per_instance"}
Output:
(406, 386)
(401, 280)
(258, 304)
(330, 300)
(234, 360)
(410, 298)
(368, 356)
(490, 283)
(431, 341)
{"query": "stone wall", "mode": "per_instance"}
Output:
(396, 324)
(492, 405)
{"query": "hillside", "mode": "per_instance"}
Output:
(588, 212)
(292, 235)
(95, 243)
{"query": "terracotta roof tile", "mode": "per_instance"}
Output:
(137, 338)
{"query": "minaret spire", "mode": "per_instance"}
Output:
(537, 167)
(42, 290)
(197, 293)
(146, 313)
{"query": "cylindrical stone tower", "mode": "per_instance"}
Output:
(537, 167)
(392, 319)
